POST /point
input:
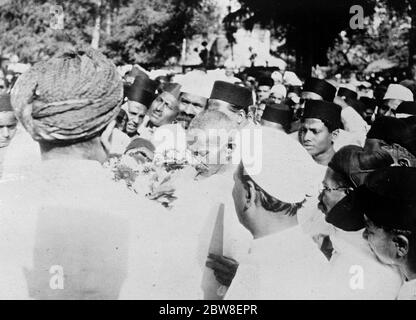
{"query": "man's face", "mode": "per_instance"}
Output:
(332, 192)
(8, 126)
(135, 113)
(392, 103)
(315, 137)
(276, 98)
(209, 148)
(263, 93)
(164, 109)
(190, 105)
(226, 108)
(380, 242)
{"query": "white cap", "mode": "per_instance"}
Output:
(279, 90)
(281, 167)
(198, 84)
(277, 77)
(397, 91)
(291, 79)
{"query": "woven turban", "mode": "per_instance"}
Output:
(69, 98)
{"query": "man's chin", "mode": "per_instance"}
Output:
(4, 144)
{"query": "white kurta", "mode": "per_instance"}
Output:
(284, 265)
(179, 264)
(69, 220)
(356, 273)
(408, 291)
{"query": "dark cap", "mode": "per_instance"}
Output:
(393, 130)
(142, 90)
(326, 111)
(238, 96)
(265, 81)
(347, 93)
(278, 113)
(408, 107)
(323, 88)
(388, 198)
(353, 163)
(5, 104)
(173, 88)
(140, 143)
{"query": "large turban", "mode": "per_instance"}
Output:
(69, 98)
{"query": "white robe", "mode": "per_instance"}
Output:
(284, 265)
(356, 273)
(69, 216)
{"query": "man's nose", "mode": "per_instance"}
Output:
(307, 136)
(159, 107)
(135, 119)
(5, 132)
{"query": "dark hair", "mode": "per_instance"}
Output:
(267, 201)
(352, 163)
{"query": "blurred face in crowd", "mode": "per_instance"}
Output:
(135, 113)
(211, 150)
(8, 127)
(315, 137)
(392, 103)
(231, 111)
(263, 93)
(190, 105)
(367, 114)
(332, 192)
(387, 246)
(276, 98)
(164, 109)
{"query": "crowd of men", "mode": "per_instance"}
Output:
(277, 188)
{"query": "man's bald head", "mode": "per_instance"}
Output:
(210, 139)
(212, 119)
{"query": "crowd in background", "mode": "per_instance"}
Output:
(140, 187)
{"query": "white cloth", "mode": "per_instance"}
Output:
(69, 214)
(284, 265)
(356, 273)
(182, 249)
(21, 156)
(355, 125)
(118, 142)
(408, 291)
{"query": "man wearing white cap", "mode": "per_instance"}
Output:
(195, 91)
(283, 262)
(396, 94)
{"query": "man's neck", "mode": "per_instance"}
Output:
(272, 224)
(89, 150)
(324, 158)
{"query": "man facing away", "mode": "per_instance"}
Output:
(283, 263)
(65, 228)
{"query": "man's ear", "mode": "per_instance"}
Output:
(334, 135)
(402, 246)
(250, 195)
(241, 116)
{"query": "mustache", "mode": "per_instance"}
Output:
(182, 116)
